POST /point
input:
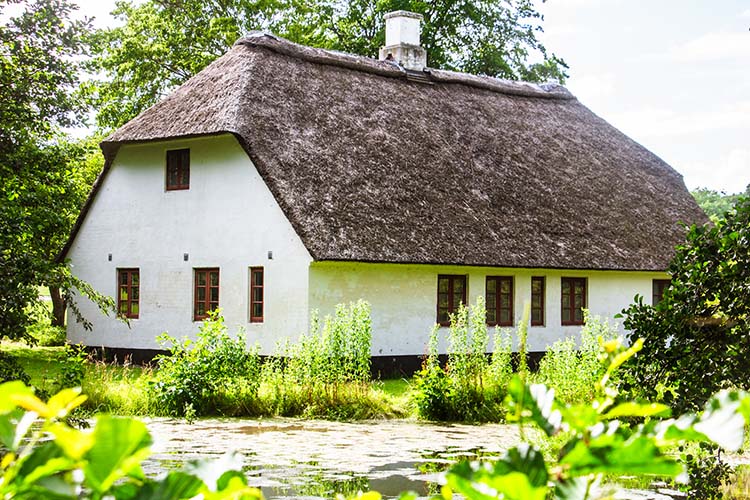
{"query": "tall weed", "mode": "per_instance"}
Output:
(572, 368)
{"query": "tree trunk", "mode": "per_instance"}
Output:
(58, 306)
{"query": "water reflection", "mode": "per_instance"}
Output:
(289, 458)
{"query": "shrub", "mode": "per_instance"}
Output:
(11, 370)
(573, 369)
(698, 336)
(194, 374)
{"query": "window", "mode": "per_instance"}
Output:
(537, 300)
(573, 300)
(657, 290)
(451, 293)
(256, 295)
(127, 293)
(178, 169)
(499, 298)
(206, 293)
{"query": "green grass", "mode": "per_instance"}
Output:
(42, 364)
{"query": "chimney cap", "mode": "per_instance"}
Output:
(403, 13)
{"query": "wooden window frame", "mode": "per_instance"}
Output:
(657, 290)
(208, 304)
(452, 307)
(128, 288)
(570, 306)
(179, 160)
(497, 306)
(542, 300)
(254, 271)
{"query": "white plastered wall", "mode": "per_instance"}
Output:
(403, 298)
(227, 219)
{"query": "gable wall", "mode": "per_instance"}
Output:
(404, 297)
(227, 219)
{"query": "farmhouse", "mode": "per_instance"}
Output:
(283, 178)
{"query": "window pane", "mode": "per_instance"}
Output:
(457, 299)
(135, 293)
(536, 316)
(566, 315)
(201, 278)
(579, 316)
(536, 301)
(491, 317)
(134, 279)
(123, 307)
(505, 316)
(443, 316)
(505, 286)
(201, 294)
(201, 309)
(491, 286)
(134, 309)
(443, 285)
(491, 300)
(565, 287)
(257, 310)
(257, 277)
(214, 279)
(505, 301)
(123, 293)
(536, 287)
(578, 302)
(123, 278)
(458, 286)
(443, 301)
(214, 294)
(257, 294)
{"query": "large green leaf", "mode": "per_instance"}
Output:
(9, 392)
(722, 421)
(633, 409)
(520, 475)
(120, 444)
(176, 485)
(216, 473)
(14, 426)
(534, 402)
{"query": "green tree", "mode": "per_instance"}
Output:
(715, 203)
(40, 188)
(698, 336)
(162, 43)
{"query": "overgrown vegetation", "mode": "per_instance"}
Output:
(471, 387)
(698, 336)
(571, 367)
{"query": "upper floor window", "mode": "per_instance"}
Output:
(537, 300)
(178, 169)
(451, 293)
(657, 290)
(499, 298)
(572, 300)
(128, 283)
(256, 294)
(206, 293)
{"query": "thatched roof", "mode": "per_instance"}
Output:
(371, 163)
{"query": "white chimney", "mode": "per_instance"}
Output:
(402, 40)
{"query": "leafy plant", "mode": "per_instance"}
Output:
(190, 377)
(573, 368)
(73, 366)
(45, 458)
(698, 336)
(600, 441)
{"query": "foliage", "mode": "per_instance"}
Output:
(40, 186)
(600, 441)
(11, 370)
(189, 378)
(102, 463)
(330, 362)
(572, 371)
(716, 203)
(706, 471)
(698, 336)
(73, 366)
(173, 40)
(469, 387)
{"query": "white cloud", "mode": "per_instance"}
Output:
(708, 47)
(745, 13)
(662, 122)
(593, 88)
(730, 172)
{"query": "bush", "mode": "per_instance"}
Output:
(698, 336)
(572, 370)
(11, 370)
(192, 377)
(467, 388)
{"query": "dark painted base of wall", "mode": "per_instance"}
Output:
(383, 367)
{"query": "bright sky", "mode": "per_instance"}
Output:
(672, 74)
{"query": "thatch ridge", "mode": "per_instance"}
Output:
(368, 165)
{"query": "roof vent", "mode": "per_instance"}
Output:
(402, 40)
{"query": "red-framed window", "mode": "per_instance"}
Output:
(256, 295)
(572, 300)
(657, 290)
(451, 293)
(499, 299)
(538, 291)
(128, 284)
(206, 293)
(178, 169)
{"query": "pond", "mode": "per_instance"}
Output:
(289, 458)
